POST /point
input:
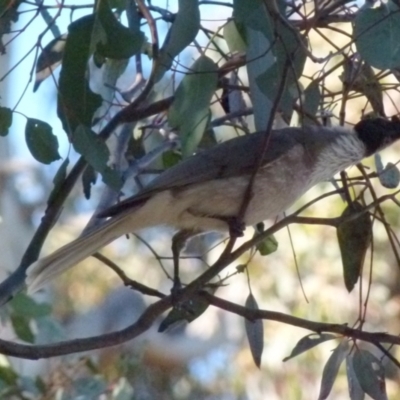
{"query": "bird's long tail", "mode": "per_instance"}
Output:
(45, 269)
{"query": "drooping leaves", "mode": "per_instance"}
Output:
(119, 42)
(76, 102)
(257, 27)
(331, 369)
(273, 53)
(254, 332)
(355, 390)
(41, 141)
(308, 342)
(376, 34)
(99, 33)
(182, 32)
(370, 374)
(354, 236)
(189, 112)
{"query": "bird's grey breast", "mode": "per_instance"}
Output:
(276, 186)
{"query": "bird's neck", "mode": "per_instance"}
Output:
(345, 151)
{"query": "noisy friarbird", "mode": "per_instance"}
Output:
(204, 192)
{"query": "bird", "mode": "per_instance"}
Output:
(205, 191)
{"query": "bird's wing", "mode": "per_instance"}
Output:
(234, 157)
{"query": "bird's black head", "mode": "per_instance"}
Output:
(377, 133)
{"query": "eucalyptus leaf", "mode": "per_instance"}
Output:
(370, 374)
(254, 332)
(22, 328)
(331, 369)
(259, 60)
(308, 342)
(248, 13)
(376, 34)
(40, 140)
(234, 36)
(76, 101)
(120, 42)
(354, 237)
(189, 112)
(24, 305)
(268, 246)
(183, 31)
(355, 390)
(312, 99)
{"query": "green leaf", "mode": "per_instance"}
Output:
(355, 390)
(182, 32)
(257, 28)
(268, 246)
(119, 42)
(290, 60)
(312, 99)
(5, 120)
(22, 328)
(354, 237)
(76, 102)
(254, 332)
(8, 375)
(308, 342)
(370, 374)
(234, 37)
(171, 158)
(189, 112)
(248, 13)
(331, 369)
(27, 307)
(41, 142)
(376, 34)
(96, 153)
